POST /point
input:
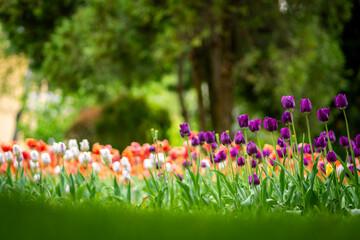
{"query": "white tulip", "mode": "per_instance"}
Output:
(67, 189)
(205, 163)
(168, 167)
(57, 170)
(222, 165)
(16, 150)
(72, 144)
(87, 157)
(148, 164)
(105, 156)
(68, 155)
(159, 156)
(9, 157)
(116, 167)
(55, 148)
(75, 152)
(125, 164)
(126, 175)
(16, 164)
(61, 148)
(95, 167)
(34, 155)
(1, 159)
(36, 177)
(45, 158)
(84, 145)
(34, 164)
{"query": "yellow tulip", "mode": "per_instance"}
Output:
(329, 169)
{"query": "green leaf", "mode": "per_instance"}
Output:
(116, 188)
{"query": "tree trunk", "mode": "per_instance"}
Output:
(180, 88)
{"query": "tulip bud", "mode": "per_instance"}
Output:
(126, 176)
(195, 142)
(45, 158)
(9, 157)
(61, 149)
(84, 145)
(243, 121)
(201, 137)
(209, 137)
(341, 101)
(205, 163)
(168, 167)
(288, 103)
(331, 157)
(55, 148)
(34, 156)
(251, 148)
(286, 118)
(184, 130)
(152, 149)
(67, 189)
(329, 169)
(239, 138)
(116, 167)
(305, 106)
(17, 163)
(254, 179)
(68, 155)
(57, 170)
(105, 156)
(36, 177)
(270, 124)
(95, 167)
(75, 152)
(240, 161)
(1, 159)
(324, 114)
(125, 164)
(73, 143)
(148, 164)
(16, 150)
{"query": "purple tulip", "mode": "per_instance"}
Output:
(351, 168)
(258, 155)
(322, 167)
(180, 176)
(214, 146)
(356, 152)
(186, 164)
(306, 162)
(286, 118)
(331, 157)
(288, 103)
(271, 161)
(331, 136)
(324, 114)
(344, 141)
(255, 125)
(357, 141)
(152, 149)
(281, 152)
(213, 158)
(195, 142)
(352, 145)
(221, 156)
(201, 137)
(234, 152)
(225, 139)
(285, 134)
(253, 163)
(194, 156)
(185, 130)
(251, 148)
(341, 101)
(254, 180)
(209, 137)
(266, 152)
(239, 138)
(305, 106)
(320, 142)
(270, 124)
(240, 161)
(350, 160)
(243, 121)
(281, 142)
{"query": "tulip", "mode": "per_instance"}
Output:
(126, 164)
(68, 155)
(253, 163)
(286, 118)
(306, 162)
(288, 103)
(214, 146)
(255, 125)
(105, 156)
(45, 159)
(266, 152)
(209, 137)
(251, 148)
(305, 106)
(225, 138)
(341, 102)
(1, 159)
(329, 170)
(357, 141)
(239, 138)
(34, 155)
(57, 169)
(186, 164)
(331, 136)
(16, 150)
(185, 130)
(152, 149)
(126, 176)
(221, 156)
(9, 157)
(201, 137)
(270, 124)
(254, 180)
(331, 157)
(205, 163)
(168, 167)
(73, 143)
(240, 161)
(148, 164)
(36, 177)
(75, 152)
(234, 152)
(195, 142)
(17, 163)
(61, 149)
(344, 141)
(324, 114)
(116, 167)
(243, 121)
(281, 142)
(84, 145)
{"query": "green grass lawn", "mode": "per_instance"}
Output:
(25, 219)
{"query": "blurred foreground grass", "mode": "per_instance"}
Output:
(24, 219)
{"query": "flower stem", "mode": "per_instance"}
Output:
(351, 150)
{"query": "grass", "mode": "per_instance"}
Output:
(37, 219)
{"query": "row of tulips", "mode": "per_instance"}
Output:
(210, 169)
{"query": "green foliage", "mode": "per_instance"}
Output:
(122, 121)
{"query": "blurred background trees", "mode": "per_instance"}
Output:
(199, 61)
